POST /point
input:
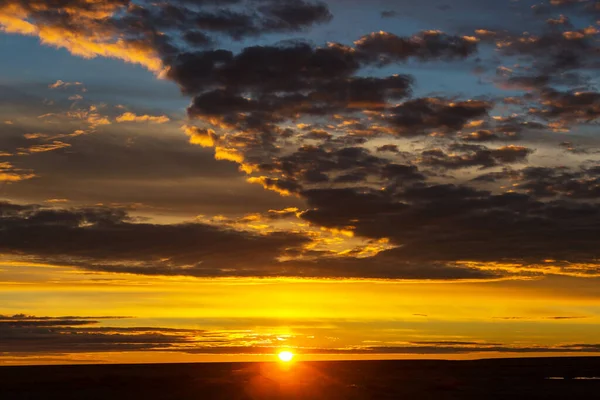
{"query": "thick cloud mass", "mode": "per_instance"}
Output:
(421, 116)
(450, 223)
(108, 239)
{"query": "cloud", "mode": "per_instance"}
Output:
(201, 137)
(59, 84)
(388, 147)
(448, 223)
(8, 173)
(554, 51)
(559, 52)
(54, 201)
(294, 15)
(41, 148)
(84, 28)
(23, 321)
(384, 48)
(268, 17)
(28, 334)
(570, 107)
(132, 117)
(560, 317)
(284, 188)
(388, 14)
(424, 115)
(72, 236)
(559, 182)
(291, 67)
(475, 156)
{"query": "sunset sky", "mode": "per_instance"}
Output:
(220, 180)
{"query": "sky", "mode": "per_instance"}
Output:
(204, 180)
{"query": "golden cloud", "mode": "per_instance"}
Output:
(201, 137)
(100, 41)
(131, 117)
(8, 173)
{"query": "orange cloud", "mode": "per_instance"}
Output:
(131, 117)
(98, 39)
(42, 148)
(54, 201)
(31, 136)
(91, 116)
(201, 137)
(8, 173)
(233, 155)
(270, 184)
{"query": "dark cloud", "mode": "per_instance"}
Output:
(555, 51)
(108, 239)
(283, 100)
(287, 67)
(560, 182)
(267, 17)
(493, 177)
(548, 183)
(234, 24)
(569, 107)
(390, 264)
(558, 54)
(475, 156)
(388, 147)
(316, 164)
(197, 38)
(559, 48)
(402, 173)
(454, 343)
(265, 85)
(423, 115)
(449, 223)
(527, 82)
(73, 237)
(295, 14)
(577, 149)
(478, 348)
(298, 66)
(384, 48)
(26, 335)
(482, 135)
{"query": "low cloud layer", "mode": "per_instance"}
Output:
(24, 336)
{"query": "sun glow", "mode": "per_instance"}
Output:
(285, 356)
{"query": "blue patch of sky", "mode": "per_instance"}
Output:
(108, 80)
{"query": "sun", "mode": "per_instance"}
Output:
(286, 356)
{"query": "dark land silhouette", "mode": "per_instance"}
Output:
(419, 379)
